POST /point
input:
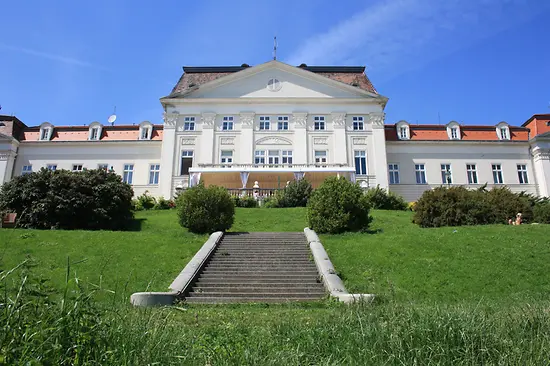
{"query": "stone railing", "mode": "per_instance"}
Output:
(262, 192)
(295, 166)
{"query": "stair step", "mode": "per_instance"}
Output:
(313, 289)
(254, 272)
(259, 266)
(256, 281)
(257, 276)
(257, 294)
(274, 284)
(232, 259)
(227, 300)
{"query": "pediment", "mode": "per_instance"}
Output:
(273, 140)
(276, 80)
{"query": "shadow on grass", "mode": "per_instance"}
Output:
(134, 225)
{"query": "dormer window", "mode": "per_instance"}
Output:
(403, 130)
(503, 131)
(46, 130)
(453, 130)
(95, 131)
(145, 130)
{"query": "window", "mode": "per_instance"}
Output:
(393, 169)
(454, 133)
(154, 172)
(471, 171)
(446, 174)
(403, 131)
(227, 124)
(189, 124)
(522, 174)
(282, 123)
(45, 134)
(320, 157)
(226, 157)
(259, 157)
(319, 123)
(264, 123)
(103, 167)
(94, 133)
(26, 169)
(504, 133)
(287, 157)
(358, 124)
(186, 161)
(360, 162)
(52, 167)
(497, 173)
(403, 135)
(145, 132)
(128, 173)
(273, 157)
(420, 172)
(78, 167)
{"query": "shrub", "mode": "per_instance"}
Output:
(296, 194)
(453, 206)
(381, 199)
(271, 202)
(162, 203)
(245, 201)
(506, 205)
(541, 212)
(144, 202)
(412, 206)
(205, 210)
(92, 199)
(337, 206)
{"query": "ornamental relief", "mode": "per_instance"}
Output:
(377, 119)
(273, 141)
(246, 119)
(320, 140)
(188, 141)
(299, 119)
(338, 120)
(170, 119)
(359, 141)
(227, 141)
(208, 120)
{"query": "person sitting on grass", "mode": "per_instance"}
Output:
(517, 221)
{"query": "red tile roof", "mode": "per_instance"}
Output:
(538, 124)
(468, 133)
(80, 133)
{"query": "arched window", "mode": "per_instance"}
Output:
(503, 131)
(145, 130)
(94, 133)
(46, 130)
(403, 130)
(453, 131)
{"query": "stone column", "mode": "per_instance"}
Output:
(246, 143)
(206, 141)
(541, 167)
(340, 146)
(380, 162)
(300, 139)
(167, 155)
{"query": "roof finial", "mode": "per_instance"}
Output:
(275, 47)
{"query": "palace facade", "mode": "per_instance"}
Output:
(273, 123)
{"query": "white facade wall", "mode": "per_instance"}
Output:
(113, 153)
(458, 154)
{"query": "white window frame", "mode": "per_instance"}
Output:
(286, 157)
(259, 157)
(145, 131)
(454, 133)
(52, 167)
(444, 178)
(154, 174)
(503, 131)
(26, 169)
(361, 168)
(403, 130)
(393, 172)
(321, 157)
(128, 173)
(319, 123)
(228, 123)
(226, 158)
(94, 133)
(471, 173)
(358, 123)
(273, 158)
(189, 123)
(420, 172)
(498, 177)
(523, 176)
(46, 132)
(77, 167)
(282, 123)
(265, 123)
(186, 154)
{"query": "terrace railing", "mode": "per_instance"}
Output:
(294, 166)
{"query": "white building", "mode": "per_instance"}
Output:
(273, 123)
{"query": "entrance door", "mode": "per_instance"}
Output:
(186, 162)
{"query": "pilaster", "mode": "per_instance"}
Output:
(246, 145)
(300, 133)
(541, 166)
(206, 143)
(167, 155)
(340, 145)
(380, 162)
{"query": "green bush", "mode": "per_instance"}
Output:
(245, 201)
(205, 210)
(453, 206)
(144, 202)
(296, 194)
(162, 203)
(271, 202)
(506, 205)
(337, 206)
(541, 212)
(92, 199)
(381, 199)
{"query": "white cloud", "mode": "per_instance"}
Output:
(392, 36)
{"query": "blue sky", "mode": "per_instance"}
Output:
(475, 61)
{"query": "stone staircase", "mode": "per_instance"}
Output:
(258, 267)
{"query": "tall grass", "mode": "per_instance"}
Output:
(73, 329)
